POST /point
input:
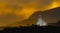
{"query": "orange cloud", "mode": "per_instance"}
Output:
(24, 8)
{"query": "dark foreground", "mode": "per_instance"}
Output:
(31, 29)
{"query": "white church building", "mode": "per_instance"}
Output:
(40, 22)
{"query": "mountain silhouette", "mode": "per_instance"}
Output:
(49, 16)
(52, 15)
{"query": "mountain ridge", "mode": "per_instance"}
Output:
(52, 15)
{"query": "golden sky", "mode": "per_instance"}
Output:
(23, 9)
(26, 7)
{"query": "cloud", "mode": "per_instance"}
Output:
(24, 8)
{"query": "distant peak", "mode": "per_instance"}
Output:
(57, 8)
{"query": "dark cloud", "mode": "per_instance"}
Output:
(10, 18)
